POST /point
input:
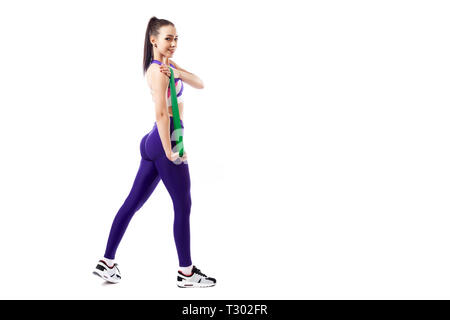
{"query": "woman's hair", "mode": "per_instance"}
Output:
(152, 30)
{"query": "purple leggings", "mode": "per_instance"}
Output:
(155, 166)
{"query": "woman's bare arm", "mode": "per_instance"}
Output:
(189, 77)
(159, 82)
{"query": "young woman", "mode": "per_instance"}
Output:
(159, 161)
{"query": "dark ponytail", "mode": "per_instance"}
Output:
(152, 30)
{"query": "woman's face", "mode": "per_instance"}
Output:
(167, 41)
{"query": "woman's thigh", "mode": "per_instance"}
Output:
(175, 177)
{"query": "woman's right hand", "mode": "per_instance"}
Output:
(173, 156)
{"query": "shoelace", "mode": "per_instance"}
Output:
(197, 271)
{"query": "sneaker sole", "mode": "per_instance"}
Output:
(104, 277)
(195, 285)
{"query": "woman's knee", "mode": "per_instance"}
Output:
(183, 203)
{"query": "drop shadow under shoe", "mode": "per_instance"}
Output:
(196, 279)
(110, 274)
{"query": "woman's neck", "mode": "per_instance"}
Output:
(162, 59)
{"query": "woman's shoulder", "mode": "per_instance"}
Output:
(152, 70)
(153, 75)
(151, 67)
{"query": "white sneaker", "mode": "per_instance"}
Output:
(195, 280)
(110, 274)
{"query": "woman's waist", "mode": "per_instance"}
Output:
(172, 121)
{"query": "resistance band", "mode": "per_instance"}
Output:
(176, 114)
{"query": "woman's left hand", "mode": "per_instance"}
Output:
(165, 69)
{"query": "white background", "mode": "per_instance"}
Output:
(318, 149)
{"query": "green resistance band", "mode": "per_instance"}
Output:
(176, 114)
